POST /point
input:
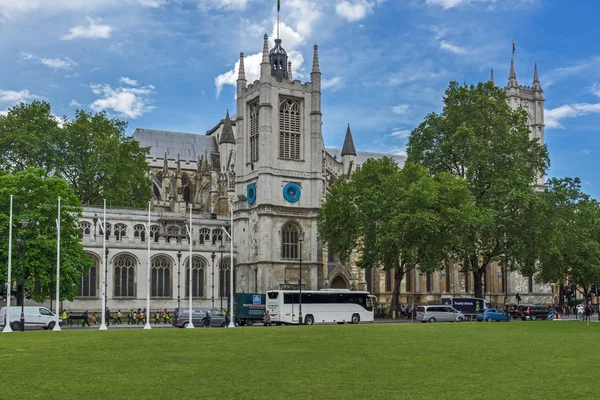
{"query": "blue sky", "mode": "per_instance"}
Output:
(170, 64)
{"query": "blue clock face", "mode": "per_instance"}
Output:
(291, 192)
(251, 193)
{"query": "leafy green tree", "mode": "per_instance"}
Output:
(570, 243)
(478, 137)
(394, 218)
(35, 196)
(91, 152)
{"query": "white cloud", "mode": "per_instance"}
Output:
(55, 63)
(129, 102)
(10, 8)
(401, 134)
(554, 116)
(333, 83)
(222, 4)
(446, 4)
(400, 108)
(128, 81)
(354, 10)
(399, 151)
(91, 31)
(74, 103)
(11, 97)
(452, 48)
(596, 89)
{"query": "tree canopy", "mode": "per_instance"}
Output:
(91, 152)
(394, 218)
(479, 138)
(35, 196)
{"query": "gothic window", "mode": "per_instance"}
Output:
(428, 281)
(204, 235)
(530, 284)
(254, 125)
(198, 268)
(155, 233)
(161, 277)
(289, 241)
(289, 130)
(369, 279)
(217, 236)
(467, 273)
(448, 278)
(156, 192)
(139, 231)
(88, 281)
(120, 231)
(108, 230)
(501, 280)
(409, 274)
(124, 276)
(173, 233)
(225, 277)
(85, 227)
(388, 280)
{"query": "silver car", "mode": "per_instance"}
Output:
(217, 317)
(439, 313)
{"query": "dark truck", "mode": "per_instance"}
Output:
(249, 308)
(468, 306)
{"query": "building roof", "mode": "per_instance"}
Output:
(227, 134)
(362, 156)
(188, 146)
(348, 148)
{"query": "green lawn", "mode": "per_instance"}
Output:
(517, 360)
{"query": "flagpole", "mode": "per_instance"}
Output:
(191, 322)
(148, 283)
(57, 325)
(104, 277)
(7, 328)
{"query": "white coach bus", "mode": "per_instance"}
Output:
(328, 305)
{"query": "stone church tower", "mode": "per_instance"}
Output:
(278, 175)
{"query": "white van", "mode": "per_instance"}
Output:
(34, 317)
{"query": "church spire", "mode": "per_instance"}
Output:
(265, 54)
(512, 77)
(492, 76)
(242, 71)
(315, 66)
(348, 148)
(536, 78)
(227, 134)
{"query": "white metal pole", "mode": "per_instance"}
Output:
(7, 327)
(231, 316)
(57, 325)
(147, 326)
(103, 325)
(191, 323)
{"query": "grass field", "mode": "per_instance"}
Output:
(519, 360)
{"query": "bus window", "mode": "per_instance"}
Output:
(272, 295)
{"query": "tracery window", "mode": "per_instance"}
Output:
(85, 227)
(204, 235)
(289, 129)
(155, 232)
(173, 233)
(108, 231)
(88, 281)
(161, 277)
(225, 277)
(139, 231)
(198, 268)
(217, 236)
(120, 231)
(124, 275)
(289, 241)
(254, 125)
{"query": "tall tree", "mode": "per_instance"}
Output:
(35, 197)
(478, 137)
(91, 152)
(570, 243)
(394, 218)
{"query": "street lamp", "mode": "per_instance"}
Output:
(300, 240)
(105, 253)
(212, 285)
(24, 224)
(178, 281)
(221, 284)
(505, 277)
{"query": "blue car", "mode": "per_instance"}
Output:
(491, 314)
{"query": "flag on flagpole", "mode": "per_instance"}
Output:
(278, 5)
(513, 44)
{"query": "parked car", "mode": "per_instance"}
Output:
(534, 312)
(35, 316)
(439, 313)
(491, 314)
(182, 319)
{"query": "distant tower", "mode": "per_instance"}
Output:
(531, 98)
(348, 153)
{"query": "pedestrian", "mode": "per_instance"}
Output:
(138, 316)
(118, 318)
(588, 314)
(163, 317)
(107, 316)
(267, 318)
(94, 319)
(64, 318)
(130, 318)
(206, 320)
(226, 314)
(85, 319)
(145, 313)
(157, 319)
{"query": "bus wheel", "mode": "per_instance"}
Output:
(355, 319)
(309, 320)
